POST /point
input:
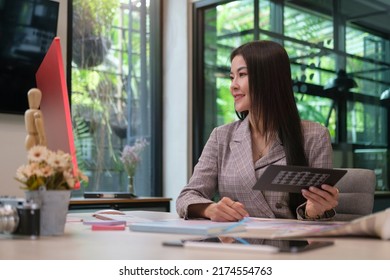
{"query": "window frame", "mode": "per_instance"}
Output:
(340, 98)
(156, 86)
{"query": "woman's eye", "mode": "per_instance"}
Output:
(242, 74)
(231, 78)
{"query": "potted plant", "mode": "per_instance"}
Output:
(130, 158)
(92, 21)
(48, 178)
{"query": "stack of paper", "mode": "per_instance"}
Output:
(374, 225)
(125, 218)
(195, 227)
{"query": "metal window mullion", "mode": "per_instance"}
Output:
(156, 96)
(145, 128)
(339, 28)
(341, 62)
(277, 18)
(130, 70)
(256, 19)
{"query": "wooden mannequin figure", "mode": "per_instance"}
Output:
(33, 119)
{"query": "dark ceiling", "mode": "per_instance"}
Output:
(372, 14)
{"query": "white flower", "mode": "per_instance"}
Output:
(37, 154)
(57, 161)
(23, 172)
(54, 170)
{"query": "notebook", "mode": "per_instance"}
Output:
(195, 227)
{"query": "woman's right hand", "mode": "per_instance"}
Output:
(226, 210)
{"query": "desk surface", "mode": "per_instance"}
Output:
(81, 243)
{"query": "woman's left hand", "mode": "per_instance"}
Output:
(320, 200)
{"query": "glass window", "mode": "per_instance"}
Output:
(308, 27)
(228, 23)
(364, 44)
(309, 64)
(366, 124)
(353, 116)
(318, 109)
(265, 15)
(111, 91)
(225, 102)
(224, 31)
(367, 63)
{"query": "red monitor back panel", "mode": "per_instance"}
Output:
(55, 108)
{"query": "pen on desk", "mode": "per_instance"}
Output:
(233, 226)
(242, 241)
(74, 220)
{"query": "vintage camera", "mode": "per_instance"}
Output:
(18, 216)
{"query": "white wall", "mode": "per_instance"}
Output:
(12, 131)
(176, 111)
(12, 152)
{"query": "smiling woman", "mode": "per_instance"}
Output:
(269, 131)
(356, 119)
(239, 86)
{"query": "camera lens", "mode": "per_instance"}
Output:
(9, 219)
(29, 219)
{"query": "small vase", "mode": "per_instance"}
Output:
(130, 186)
(53, 208)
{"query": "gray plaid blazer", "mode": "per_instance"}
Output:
(226, 168)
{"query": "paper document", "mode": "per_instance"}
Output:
(195, 227)
(287, 225)
(131, 216)
(125, 217)
(374, 225)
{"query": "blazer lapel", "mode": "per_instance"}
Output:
(275, 154)
(241, 149)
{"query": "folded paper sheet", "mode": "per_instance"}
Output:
(374, 225)
(195, 227)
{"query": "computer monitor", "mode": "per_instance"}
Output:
(50, 79)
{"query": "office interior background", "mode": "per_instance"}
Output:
(159, 70)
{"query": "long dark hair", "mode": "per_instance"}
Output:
(273, 106)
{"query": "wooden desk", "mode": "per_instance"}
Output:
(140, 203)
(81, 243)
